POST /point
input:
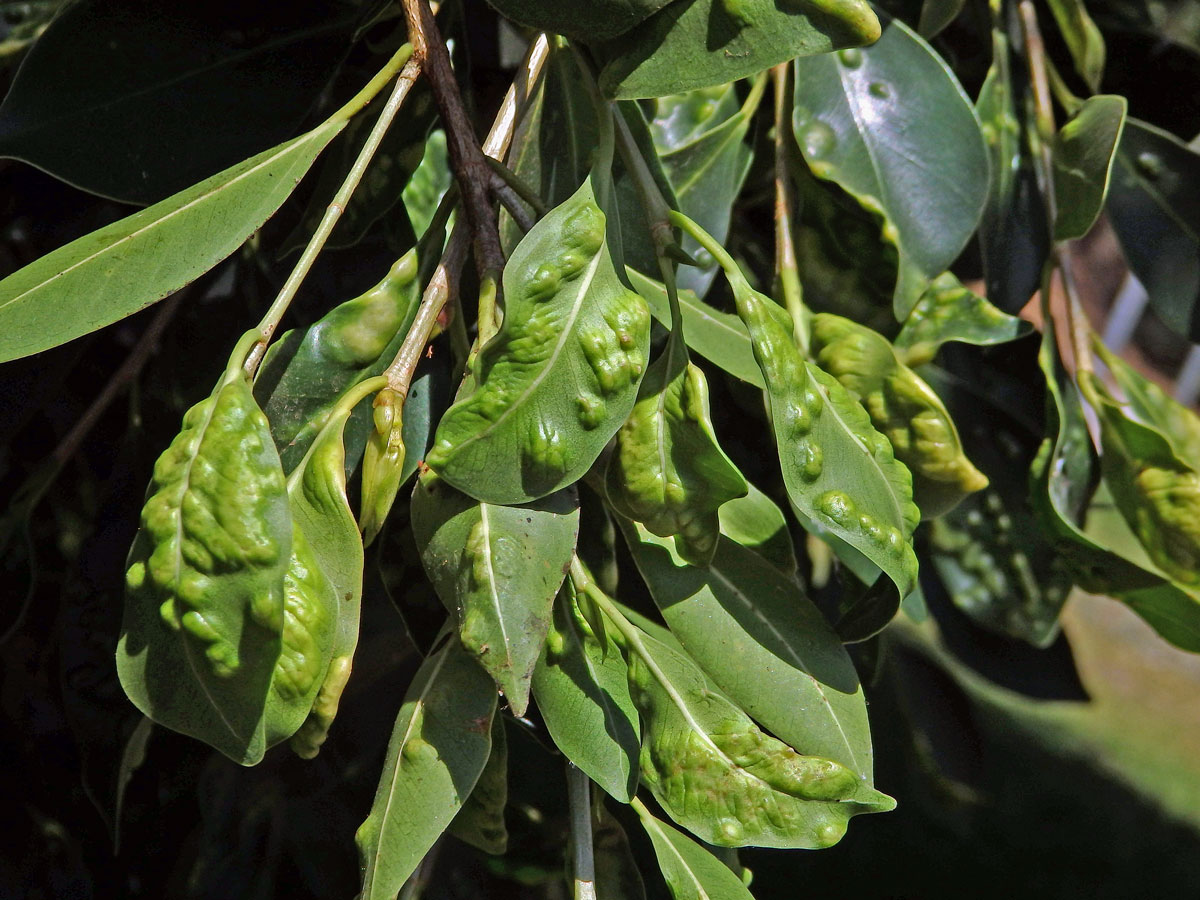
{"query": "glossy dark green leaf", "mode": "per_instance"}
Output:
(439, 746)
(497, 569)
(1154, 206)
(561, 375)
(305, 372)
(691, 872)
(582, 20)
(755, 522)
(480, 822)
(1083, 39)
(320, 509)
(1084, 151)
(582, 691)
(667, 470)
(745, 623)
(204, 608)
(840, 472)
(929, 183)
(947, 311)
(903, 407)
(698, 43)
(700, 137)
(124, 267)
(719, 337)
(124, 100)
(1014, 237)
(718, 775)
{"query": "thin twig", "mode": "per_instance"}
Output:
(785, 248)
(270, 321)
(513, 203)
(579, 797)
(466, 157)
(519, 185)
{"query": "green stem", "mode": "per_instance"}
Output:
(352, 107)
(523, 188)
(487, 323)
(579, 795)
(732, 270)
(785, 248)
(333, 212)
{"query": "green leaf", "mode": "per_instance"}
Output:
(582, 691)
(936, 15)
(581, 20)
(305, 372)
(1154, 206)
(947, 311)
(691, 872)
(140, 100)
(439, 746)
(429, 182)
(668, 471)
(124, 267)
(929, 183)
(204, 607)
(562, 373)
(721, 777)
(747, 625)
(840, 472)
(497, 569)
(617, 876)
(1084, 151)
(480, 822)
(698, 43)
(320, 509)
(1083, 39)
(1014, 237)
(755, 522)
(383, 464)
(903, 407)
(700, 137)
(719, 337)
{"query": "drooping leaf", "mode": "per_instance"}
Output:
(562, 373)
(146, 83)
(691, 872)
(1014, 237)
(582, 20)
(667, 470)
(903, 407)
(700, 137)
(698, 43)
(755, 522)
(718, 775)
(1154, 206)
(582, 691)
(321, 511)
(124, 267)
(204, 608)
(947, 311)
(936, 15)
(439, 746)
(480, 822)
(742, 622)
(429, 182)
(497, 569)
(840, 472)
(383, 465)
(617, 875)
(1083, 39)
(1084, 151)
(305, 372)
(928, 183)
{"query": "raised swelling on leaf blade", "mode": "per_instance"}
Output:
(205, 602)
(439, 746)
(562, 373)
(948, 311)
(497, 569)
(124, 267)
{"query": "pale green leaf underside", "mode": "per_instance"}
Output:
(124, 267)
(691, 872)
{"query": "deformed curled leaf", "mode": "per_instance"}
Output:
(668, 471)
(948, 311)
(497, 569)
(724, 779)
(383, 462)
(562, 373)
(205, 605)
(903, 407)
